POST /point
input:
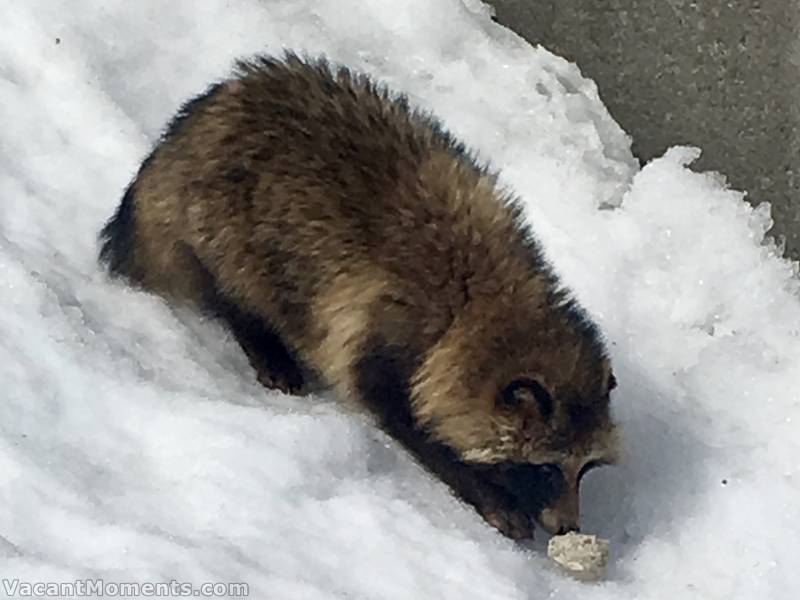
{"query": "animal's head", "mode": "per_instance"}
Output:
(521, 391)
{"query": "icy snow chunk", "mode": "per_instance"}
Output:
(581, 555)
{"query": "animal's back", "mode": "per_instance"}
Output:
(295, 188)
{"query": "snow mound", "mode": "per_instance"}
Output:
(136, 445)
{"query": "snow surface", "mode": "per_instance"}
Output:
(135, 444)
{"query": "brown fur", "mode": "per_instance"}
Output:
(340, 233)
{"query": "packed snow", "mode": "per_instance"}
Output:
(137, 446)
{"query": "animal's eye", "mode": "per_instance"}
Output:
(592, 464)
(549, 471)
(521, 392)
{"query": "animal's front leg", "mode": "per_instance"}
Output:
(382, 380)
(491, 501)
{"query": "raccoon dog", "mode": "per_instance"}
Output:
(342, 235)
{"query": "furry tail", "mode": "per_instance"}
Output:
(118, 238)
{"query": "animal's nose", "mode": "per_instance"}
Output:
(568, 528)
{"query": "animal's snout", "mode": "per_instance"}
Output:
(544, 492)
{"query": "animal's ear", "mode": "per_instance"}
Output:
(610, 384)
(527, 392)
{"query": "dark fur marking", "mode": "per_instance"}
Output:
(383, 375)
(118, 237)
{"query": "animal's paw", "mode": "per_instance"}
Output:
(287, 381)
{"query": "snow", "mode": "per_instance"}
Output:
(136, 445)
